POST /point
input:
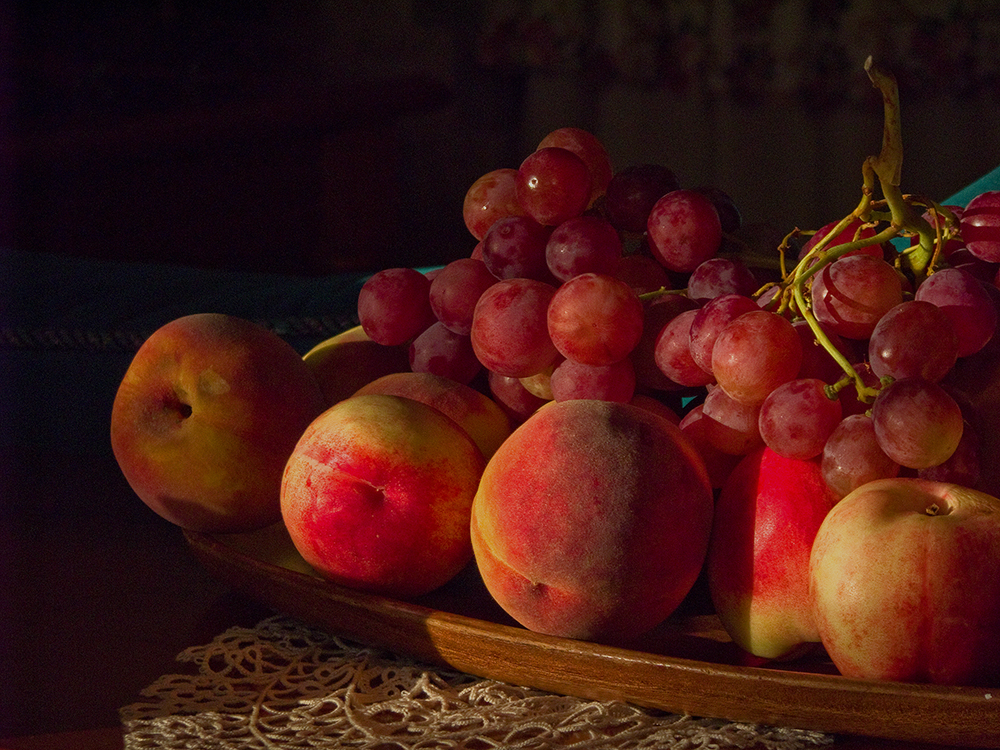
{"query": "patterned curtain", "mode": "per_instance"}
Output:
(751, 49)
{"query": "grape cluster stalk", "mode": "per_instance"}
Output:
(831, 345)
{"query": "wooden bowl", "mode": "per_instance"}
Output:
(687, 665)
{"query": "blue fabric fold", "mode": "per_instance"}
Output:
(69, 327)
(44, 292)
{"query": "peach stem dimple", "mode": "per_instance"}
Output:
(373, 495)
(174, 404)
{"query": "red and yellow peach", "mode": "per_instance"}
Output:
(592, 520)
(378, 492)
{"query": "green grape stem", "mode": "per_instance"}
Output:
(900, 219)
(661, 292)
(866, 394)
(917, 260)
(888, 165)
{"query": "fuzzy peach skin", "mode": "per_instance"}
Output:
(766, 518)
(905, 582)
(205, 418)
(592, 520)
(378, 492)
(349, 360)
(478, 414)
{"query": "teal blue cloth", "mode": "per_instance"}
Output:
(43, 293)
(989, 181)
(69, 327)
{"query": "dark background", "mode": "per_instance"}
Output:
(215, 140)
(311, 137)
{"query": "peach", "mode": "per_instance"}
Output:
(903, 576)
(345, 362)
(592, 520)
(476, 413)
(766, 518)
(206, 415)
(377, 495)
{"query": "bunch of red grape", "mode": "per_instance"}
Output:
(587, 283)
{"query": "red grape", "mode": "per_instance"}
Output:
(514, 248)
(966, 302)
(849, 396)
(394, 305)
(595, 319)
(553, 185)
(591, 151)
(770, 298)
(851, 294)
(852, 456)
(980, 226)
(642, 273)
(963, 467)
(583, 244)
(730, 426)
(718, 276)
(848, 234)
(715, 315)
(754, 354)
(729, 213)
(913, 339)
(614, 382)
(456, 289)
(517, 402)
(509, 331)
(963, 258)
(934, 218)
(672, 353)
(719, 464)
(817, 362)
(634, 191)
(443, 352)
(493, 196)
(540, 384)
(657, 312)
(797, 417)
(917, 423)
(684, 230)
(993, 345)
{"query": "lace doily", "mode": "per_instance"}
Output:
(283, 684)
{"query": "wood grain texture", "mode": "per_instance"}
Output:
(686, 666)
